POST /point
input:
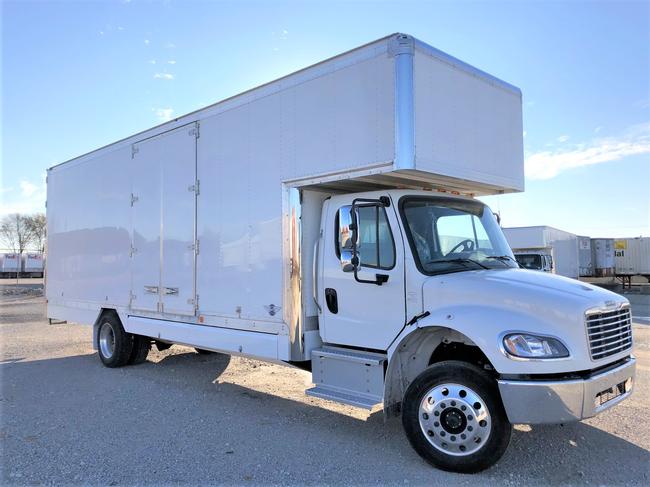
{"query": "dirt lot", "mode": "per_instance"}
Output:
(186, 418)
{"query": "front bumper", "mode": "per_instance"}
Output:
(548, 401)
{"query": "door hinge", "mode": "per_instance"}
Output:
(194, 247)
(132, 297)
(195, 302)
(132, 251)
(196, 187)
(134, 199)
(195, 131)
(134, 151)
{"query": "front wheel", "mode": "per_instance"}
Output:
(453, 417)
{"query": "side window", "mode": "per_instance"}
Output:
(375, 244)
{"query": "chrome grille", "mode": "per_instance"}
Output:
(609, 332)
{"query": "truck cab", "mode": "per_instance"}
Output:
(423, 305)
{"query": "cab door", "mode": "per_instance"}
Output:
(367, 310)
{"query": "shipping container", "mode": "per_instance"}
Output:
(32, 264)
(632, 256)
(603, 257)
(10, 264)
(585, 259)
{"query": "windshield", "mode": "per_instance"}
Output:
(530, 261)
(450, 235)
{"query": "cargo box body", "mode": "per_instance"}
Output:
(561, 245)
(199, 219)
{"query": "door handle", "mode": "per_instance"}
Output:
(173, 291)
(332, 300)
(151, 289)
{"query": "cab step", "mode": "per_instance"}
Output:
(348, 376)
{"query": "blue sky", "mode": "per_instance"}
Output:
(79, 75)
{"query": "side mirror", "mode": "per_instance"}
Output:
(345, 239)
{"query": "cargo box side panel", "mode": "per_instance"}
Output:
(239, 265)
(88, 220)
(467, 126)
(341, 121)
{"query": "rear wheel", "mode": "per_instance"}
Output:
(453, 417)
(141, 347)
(114, 345)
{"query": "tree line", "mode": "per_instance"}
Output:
(21, 232)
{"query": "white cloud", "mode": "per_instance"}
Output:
(170, 45)
(597, 129)
(563, 138)
(171, 61)
(548, 164)
(147, 42)
(163, 76)
(30, 198)
(27, 189)
(164, 114)
(152, 61)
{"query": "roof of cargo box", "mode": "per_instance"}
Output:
(296, 75)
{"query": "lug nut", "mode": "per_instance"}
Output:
(463, 408)
(453, 403)
(425, 416)
(483, 423)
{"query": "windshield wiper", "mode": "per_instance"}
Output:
(458, 261)
(503, 258)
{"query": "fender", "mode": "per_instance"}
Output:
(480, 326)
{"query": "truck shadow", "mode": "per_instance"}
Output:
(237, 425)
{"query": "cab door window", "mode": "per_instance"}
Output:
(375, 244)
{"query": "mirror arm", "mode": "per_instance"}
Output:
(383, 201)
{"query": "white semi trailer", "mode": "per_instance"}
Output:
(327, 220)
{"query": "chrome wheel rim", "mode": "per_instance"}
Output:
(107, 340)
(455, 419)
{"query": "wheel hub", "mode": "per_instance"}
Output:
(107, 340)
(455, 419)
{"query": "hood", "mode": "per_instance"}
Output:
(509, 286)
(484, 304)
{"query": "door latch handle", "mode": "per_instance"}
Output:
(332, 301)
(170, 291)
(151, 289)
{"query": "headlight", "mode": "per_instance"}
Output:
(532, 346)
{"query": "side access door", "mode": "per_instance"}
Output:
(163, 200)
(355, 310)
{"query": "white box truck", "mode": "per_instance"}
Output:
(545, 248)
(327, 220)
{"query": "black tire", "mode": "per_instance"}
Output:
(111, 330)
(203, 351)
(141, 347)
(470, 376)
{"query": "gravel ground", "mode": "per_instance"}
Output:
(184, 418)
